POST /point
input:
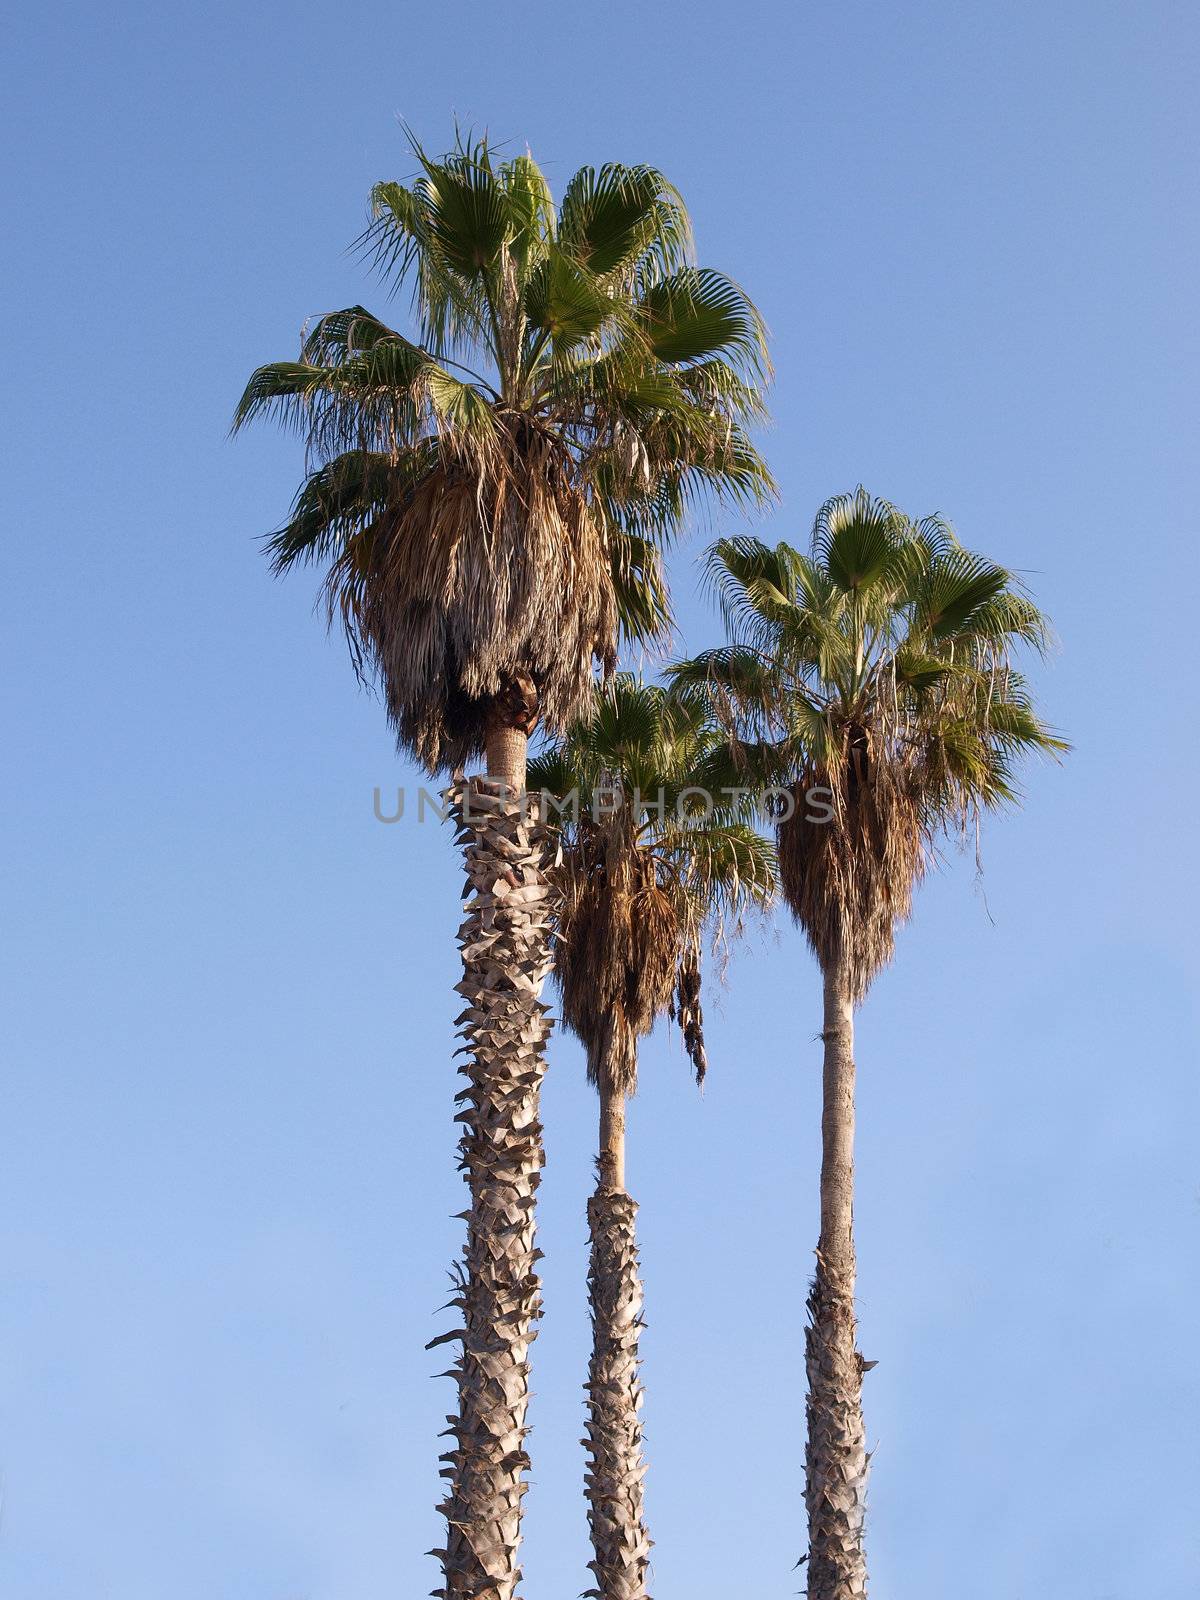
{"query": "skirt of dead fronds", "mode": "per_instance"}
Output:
(849, 878)
(490, 568)
(619, 946)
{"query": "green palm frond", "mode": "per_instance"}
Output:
(568, 302)
(857, 540)
(735, 676)
(1010, 618)
(339, 334)
(916, 670)
(750, 580)
(715, 385)
(401, 243)
(953, 590)
(620, 218)
(531, 212)
(697, 314)
(467, 213)
(640, 585)
(335, 505)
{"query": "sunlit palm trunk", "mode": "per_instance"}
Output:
(615, 1470)
(836, 1457)
(505, 952)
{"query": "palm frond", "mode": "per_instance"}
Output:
(618, 218)
(341, 500)
(568, 302)
(697, 314)
(856, 538)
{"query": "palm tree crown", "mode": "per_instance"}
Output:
(873, 676)
(649, 863)
(489, 499)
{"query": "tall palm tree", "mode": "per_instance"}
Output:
(648, 865)
(873, 678)
(488, 501)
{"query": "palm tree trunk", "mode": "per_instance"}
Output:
(615, 1468)
(506, 956)
(836, 1458)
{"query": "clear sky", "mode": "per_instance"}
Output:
(226, 1174)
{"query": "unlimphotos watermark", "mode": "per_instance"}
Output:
(779, 803)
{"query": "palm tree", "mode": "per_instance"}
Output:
(488, 502)
(647, 866)
(874, 679)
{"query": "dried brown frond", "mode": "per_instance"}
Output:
(492, 570)
(849, 878)
(620, 939)
(686, 1010)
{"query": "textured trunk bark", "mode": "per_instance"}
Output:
(506, 956)
(836, 1457)
(615, 1470)
(612, 1139)
(507, 749)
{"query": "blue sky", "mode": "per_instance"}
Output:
(226, 1173)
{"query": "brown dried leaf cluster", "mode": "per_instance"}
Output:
(621, 939)
(849, 881)
(491, 569)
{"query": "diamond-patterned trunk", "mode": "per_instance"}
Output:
(506, 957)
(613, 1480)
